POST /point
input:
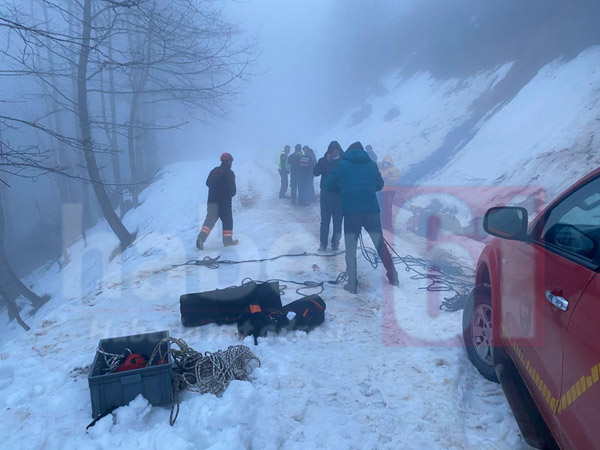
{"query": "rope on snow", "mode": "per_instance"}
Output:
(204, 373)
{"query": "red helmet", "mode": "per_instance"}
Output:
(226, 157)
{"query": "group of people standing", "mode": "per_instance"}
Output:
(299, 167)
(350, 183)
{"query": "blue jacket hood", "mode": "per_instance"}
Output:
(357, 155)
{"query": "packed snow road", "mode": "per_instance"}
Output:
(385, 370)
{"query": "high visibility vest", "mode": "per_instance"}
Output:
(286, 166)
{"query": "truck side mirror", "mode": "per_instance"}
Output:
(506, 222)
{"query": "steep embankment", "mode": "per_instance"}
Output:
(487, 129)
(547, 135)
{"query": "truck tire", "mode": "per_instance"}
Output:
(477, 332)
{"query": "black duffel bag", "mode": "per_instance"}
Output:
(225, 306)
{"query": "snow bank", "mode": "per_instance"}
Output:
(413, 117)
(546, 136)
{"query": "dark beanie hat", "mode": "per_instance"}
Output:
(334, 145)
(356, 146)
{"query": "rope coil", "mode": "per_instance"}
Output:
(204, 373)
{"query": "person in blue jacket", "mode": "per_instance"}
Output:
(357, 178)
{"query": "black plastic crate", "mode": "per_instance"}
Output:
(111, 390)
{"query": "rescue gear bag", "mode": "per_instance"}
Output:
(225, 306)
(308, 313)
(257, 322)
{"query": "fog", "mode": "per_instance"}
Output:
(320, 58)
(315, 61)
(278, 72)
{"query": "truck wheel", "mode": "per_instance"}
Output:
(477, 332)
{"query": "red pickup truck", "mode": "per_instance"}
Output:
(533, 320)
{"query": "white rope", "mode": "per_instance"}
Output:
(113, 360)
(204, 373)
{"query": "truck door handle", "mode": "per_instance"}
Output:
(557, 300)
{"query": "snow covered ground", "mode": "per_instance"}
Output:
(385, 370)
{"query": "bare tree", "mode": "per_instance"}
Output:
(125, 237)
(11, 288)
(143, 53)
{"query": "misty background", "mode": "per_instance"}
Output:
(307, 64)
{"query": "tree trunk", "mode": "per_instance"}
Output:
(11, 287)
(135, 178)
(112, 139)
(13, 311)
(136, 155)
(80, 194)
(8, 279)
(114, 222)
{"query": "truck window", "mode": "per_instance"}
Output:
(573, 226)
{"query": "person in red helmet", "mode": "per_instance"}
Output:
(221, 189)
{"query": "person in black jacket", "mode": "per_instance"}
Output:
(294, 161)
(331, 202)
(284, 170)
(371, 153)
(305, 176)
(221, 189)
(313, 163)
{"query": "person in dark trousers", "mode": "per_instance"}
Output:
(391, 179)
(357, 178)
(221, 189)
(305, 176)
(284, 170)
(371, 153)
(331, 202)
(294, 161)
(312, 164)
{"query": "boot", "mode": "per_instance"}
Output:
(351, 286)
(322, 249)
(202, 237)
(393, 278)
(231, 243)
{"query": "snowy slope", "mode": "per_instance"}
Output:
(411, 117)
(385, 370)
(547, 136)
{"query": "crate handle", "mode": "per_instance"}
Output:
(131, 379)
